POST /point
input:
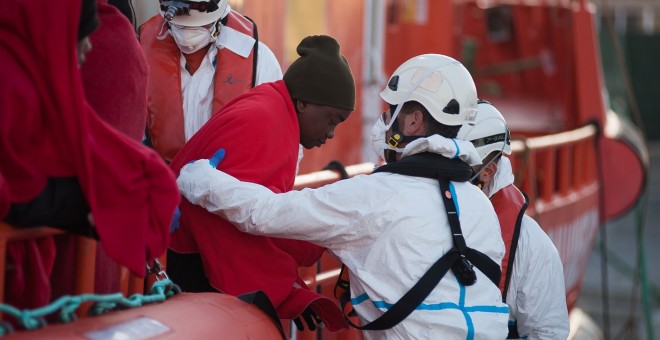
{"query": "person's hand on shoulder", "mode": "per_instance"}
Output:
(214, 161)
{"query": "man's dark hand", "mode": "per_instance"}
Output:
(313, 321)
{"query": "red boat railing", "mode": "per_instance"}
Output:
(323, 177)
(560, 174)
(551, 167)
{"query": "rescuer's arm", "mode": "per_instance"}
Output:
(316, 216)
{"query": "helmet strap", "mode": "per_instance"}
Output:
(390, 156)
(395, 140)
(398, 137)
(476, 178)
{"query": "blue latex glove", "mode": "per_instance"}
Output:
(217, 158)
(175, 220)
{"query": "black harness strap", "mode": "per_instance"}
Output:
(514, 247)
(485, 264)
(413, 298)
(513, 326)
(443, 169)
(255, 51)
(469, 255)
(430, 165)
(462, 267)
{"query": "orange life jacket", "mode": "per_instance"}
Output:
(234, 75)
(510, 205)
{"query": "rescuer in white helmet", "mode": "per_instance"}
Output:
(436, 85)
(532, 281)
(416, 236)
(201, 55)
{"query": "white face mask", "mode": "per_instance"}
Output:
(191, 39)
(379, 133)
(378, 144)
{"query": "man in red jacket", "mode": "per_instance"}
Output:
(261, 132)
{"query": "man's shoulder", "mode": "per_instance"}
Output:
(264, 100)
(244, 22)
(237, 13)
(149, 29)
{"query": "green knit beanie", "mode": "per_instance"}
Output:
(321, 75)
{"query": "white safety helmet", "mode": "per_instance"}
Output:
(440, 83)
(488, 133)
(192, 12)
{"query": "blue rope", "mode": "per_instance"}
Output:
(66, 305)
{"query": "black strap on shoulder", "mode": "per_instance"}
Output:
(469, 256)
(452, 216)
(463, 268)
(514, 247)
(255, 52)
(458, 258)
(513, 325)
(429, 165)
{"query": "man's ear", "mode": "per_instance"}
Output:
(414, 123)
(300, 106)
(490, 170)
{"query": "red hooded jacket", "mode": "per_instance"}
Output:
(47, 130)
(259, 132)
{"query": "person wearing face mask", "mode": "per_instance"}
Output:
(261, 131)
(201, 54)
(532, 281)
(421, 243)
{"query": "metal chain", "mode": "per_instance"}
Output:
(67, 305)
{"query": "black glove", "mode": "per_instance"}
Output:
(310, 318)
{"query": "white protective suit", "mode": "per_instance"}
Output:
(388, 229)
(536, 295)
